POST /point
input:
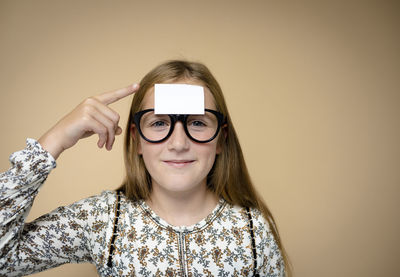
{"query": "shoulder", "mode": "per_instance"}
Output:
(269, 257)
(95, 207)
(261, 226)
(103, 199)
(235, 212)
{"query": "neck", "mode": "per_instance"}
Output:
(182, 208)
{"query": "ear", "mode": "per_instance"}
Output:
(133, 135)
(224, 132)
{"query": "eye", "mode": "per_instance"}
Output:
(156, 122)
(197, 123)
(159, 124)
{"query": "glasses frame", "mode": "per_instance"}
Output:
(175, 118)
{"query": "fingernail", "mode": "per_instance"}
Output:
(135, 86)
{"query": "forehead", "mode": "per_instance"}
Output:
(209, 102)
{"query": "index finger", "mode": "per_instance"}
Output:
(113, 96)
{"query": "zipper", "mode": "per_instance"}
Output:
(182, 250)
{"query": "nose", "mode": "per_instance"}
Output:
(178, 140)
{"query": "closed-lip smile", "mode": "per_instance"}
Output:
(178, 163)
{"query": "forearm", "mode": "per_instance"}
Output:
(18, 187)
(20, 184)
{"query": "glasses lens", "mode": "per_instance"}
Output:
(202, 127)
(155, 126)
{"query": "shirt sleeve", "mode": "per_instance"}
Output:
(272, 263)
(59, 237)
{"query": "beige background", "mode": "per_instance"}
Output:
(313, 89)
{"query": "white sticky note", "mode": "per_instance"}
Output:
(178, 99)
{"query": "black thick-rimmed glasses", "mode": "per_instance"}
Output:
(200, 128)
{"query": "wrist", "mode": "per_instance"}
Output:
(50, 143)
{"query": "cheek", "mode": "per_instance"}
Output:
(209, 154)
(146, 150)
(148, 159)
(151, 152)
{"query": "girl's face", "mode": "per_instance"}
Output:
(179, 164)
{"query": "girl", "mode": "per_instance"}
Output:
(187, 206)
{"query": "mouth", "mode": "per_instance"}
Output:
(179, 163)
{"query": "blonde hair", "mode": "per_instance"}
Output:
(229, 177)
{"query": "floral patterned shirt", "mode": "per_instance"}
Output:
(143, 244)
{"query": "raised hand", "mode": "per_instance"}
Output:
(92, 116)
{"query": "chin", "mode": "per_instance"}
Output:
(178, 184)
